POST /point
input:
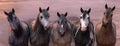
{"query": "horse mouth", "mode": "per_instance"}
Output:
(62, 34)
(46, 28)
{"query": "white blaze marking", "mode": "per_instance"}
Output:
(62, 26)
(44, 22)
(84, 22)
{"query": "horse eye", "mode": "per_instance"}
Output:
(58, 22)
(41, 17)
(48, 16)
(104, 13)
(80, 17)
(8, 19)
(88, 17)
(111, 15)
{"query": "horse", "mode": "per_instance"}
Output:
(61, 32)
(105, 30)
(40, 35)
(19, 30)
(84, 32)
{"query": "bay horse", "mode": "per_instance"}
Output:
(106, 30)
(40, 35)
(84, 33)
(19, 30)
(61, 32)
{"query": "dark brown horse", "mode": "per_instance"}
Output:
(84, 33)
(40, 35)
(106, 30)
(19, 30)
(61, 34)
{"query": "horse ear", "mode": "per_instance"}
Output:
(40, 9)
(81, 10)
(13, 10)
(106, 7)
(58, 14)
(113, 8)
(89, 10)
(5, 13)
(48, 9)
(65, 14)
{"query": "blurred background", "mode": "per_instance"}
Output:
(28, 9)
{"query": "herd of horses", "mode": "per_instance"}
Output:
(65, 31)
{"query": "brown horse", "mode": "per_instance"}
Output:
(61, 34)
(19, 30)
(106, 30)
(40, 35)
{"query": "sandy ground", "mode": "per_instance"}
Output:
(28, 9)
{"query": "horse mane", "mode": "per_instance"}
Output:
(38, 25)
(19, 30)
(34, 23)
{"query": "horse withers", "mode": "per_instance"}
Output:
(61, 33)
(106, 30)
(84, 31)
(19, 30)
(40, 35)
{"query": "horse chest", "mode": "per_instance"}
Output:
(82, 38)
(39, 39)
(20, 41)
(44, 38)
(106, 37)
(62, 41)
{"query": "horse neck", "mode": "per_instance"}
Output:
(70, 27)
(39, 27)
(19, 30)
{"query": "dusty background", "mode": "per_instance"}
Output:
(28, 9)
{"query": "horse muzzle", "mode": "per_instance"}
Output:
(83, 28)
(62, 32)
(104, 24)
(46, 27)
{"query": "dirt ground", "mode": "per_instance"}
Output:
(28, 9)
